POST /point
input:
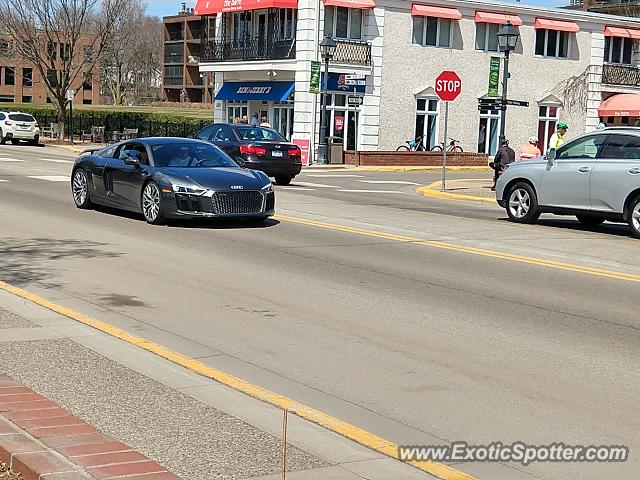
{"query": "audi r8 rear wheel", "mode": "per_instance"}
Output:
(152, 204)
(80, 189)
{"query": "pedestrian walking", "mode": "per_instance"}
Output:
(504, 156)
(245, 120)
(530, 150)
(265, 122)
(254, 120)
(236, 120)
(557, 139)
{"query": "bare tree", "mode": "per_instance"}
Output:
(131, 62)
(64, 39)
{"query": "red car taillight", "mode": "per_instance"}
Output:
(294, 152)
(252, 149)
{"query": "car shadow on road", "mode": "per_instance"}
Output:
(31, 260)
(607, 228)
(202, 223)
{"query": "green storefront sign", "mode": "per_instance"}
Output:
(494, 76)
(314, 86)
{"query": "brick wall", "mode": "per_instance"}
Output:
(415, 159)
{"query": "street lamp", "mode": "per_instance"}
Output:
(507, 41)
(327, 49)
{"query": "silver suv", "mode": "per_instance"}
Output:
(595, 177)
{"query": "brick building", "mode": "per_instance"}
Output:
(21, 82)
(182, 81)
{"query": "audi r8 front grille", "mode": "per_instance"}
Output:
(237, 202)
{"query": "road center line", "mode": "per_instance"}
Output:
(629, 277)
(389, 182)
(318, 417)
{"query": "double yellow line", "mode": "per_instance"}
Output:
(629, 277)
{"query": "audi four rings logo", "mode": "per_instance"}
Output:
(237, 187)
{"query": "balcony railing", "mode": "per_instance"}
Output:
(625, 75)
(250, 49)
(173, 58)
(352, 52)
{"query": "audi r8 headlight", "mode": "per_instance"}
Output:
(189, 190)
(267, 188)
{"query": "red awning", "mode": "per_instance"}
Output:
(210, 7)
(622, 32)
(621, 105)
(364, 4)
(556, 25)
(439, 12)
(500, 18)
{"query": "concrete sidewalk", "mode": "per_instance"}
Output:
(194, 427)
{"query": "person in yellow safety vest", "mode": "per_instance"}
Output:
(557, 139)
(531, 150)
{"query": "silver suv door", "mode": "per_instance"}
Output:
(565, 181)
(617, 172)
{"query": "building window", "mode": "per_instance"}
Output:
(552, 43)
(9, 76)
(287, 18)
(241, 26)
(487, 36)
(26, 99)
(427, 121)
(618, 50)
(52, 78)
(52, 50)
(87, 101)
(342, 22)
(87, 82)
(4, 48)
(432, 31)
(548, 116)
(65, 51)
(488, 131)
(27, 77)
(0, 75)
(236, 110)
(173, 76)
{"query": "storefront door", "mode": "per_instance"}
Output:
(283, 120)
(351, 137)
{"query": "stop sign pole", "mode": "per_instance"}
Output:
(448, 87)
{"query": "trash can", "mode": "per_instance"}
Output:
(336, 153)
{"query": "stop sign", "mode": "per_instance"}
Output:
(448, 85)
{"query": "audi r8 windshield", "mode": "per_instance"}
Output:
(190, 155)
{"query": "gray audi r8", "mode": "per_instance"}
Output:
(170, 178)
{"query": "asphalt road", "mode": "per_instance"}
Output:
(413, 341)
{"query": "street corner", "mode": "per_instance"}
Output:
(466, 189)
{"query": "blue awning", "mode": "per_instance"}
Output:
(274, 91)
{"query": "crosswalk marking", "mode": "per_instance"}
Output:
(319, 185)
(390, 182)
(370, 191)
(53, 160)
(327, 175)
(12, 160)
(299, 188)
(3, 180)
(51, 178)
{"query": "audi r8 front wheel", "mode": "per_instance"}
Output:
(152, 204)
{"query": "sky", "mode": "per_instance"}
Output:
(171, 7)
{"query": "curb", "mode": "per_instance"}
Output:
(39, 440)
(452, 169)
(430, 191)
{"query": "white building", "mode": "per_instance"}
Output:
(569, 65)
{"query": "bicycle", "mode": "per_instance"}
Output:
(453, 147)
(416, 145)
